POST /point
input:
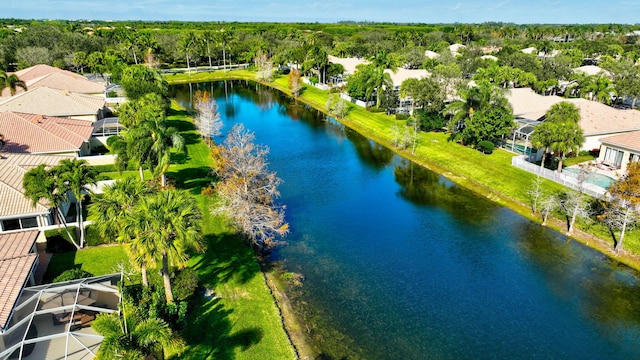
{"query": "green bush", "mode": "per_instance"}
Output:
(72, 274)
(402, 116)
(374, 109)
(185, 284)
(485, 146)
(430, 121)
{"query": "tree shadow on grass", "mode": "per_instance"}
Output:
(219, 340)
(227, 259)
(193, 178)
(58, 264)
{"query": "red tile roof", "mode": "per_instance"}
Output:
(16, 263)
(37, 71)
(61, 81)
(12, 170)
(30, 133)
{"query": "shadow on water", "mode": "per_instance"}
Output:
(374, 155)
(425, 187)
(607, 292)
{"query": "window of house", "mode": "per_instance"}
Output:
(613, 157)
(634, 157)
(17, 224)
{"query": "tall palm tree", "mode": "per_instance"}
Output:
(74, 175)
(563, 133)
(109, 210)
(163, 140)
(166, 225)
(599, 88)
(12, 82)
(378, 80)
(40, 183)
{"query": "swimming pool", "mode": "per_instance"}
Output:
(600, 180)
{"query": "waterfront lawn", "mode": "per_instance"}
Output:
(240, 320)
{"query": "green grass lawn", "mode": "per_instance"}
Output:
(96, 260)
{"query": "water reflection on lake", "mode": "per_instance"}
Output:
(400, 263)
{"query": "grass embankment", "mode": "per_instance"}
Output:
(241, 320)
(489, 175)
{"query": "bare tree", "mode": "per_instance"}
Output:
(248, 190)
(536, 193)
(624, 209)
(547, 206)
(265, 67)
(208, 121)
(337, 106)
(621, 215)
(574, 204)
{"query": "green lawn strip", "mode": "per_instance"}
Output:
(96, 260)
(489, 175)
(241, 321)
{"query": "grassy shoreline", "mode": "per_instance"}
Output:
(491, 176)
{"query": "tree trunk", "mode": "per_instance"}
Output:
(141, 170)
(143, 272)
(574, 216)
(544, 220)
(209, 54)
(80, 222)
(560, 165)
(64, 223)
(544, 156)
(224, 59)
(135, 58)
(166, 279)
(163, 178)
(622, 231)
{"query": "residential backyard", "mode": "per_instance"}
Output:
(238, 318)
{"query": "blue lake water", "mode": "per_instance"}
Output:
(400, 263)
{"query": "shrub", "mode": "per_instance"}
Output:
(430, 121)
(374, 109)
(72, 274)
(485, 146)
(402, 116)
(185, 284)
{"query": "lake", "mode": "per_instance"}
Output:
(401, 263)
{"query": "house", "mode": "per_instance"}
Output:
(40, 70)
(597, 120)
(592, 70)
(58, 103)
(618, 151)
(40, 134)
(349, 64)
(62, 81)
(16, 211)
(403, 74)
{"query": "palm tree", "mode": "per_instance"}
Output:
(480, 98)
(131, 337)
(563, 134)
(188, 44)
(12, 82)
(225, 37)
(40, 183)
(378, 79)
(109, 210)
(163, 140)
(599, 88)
(74, 175)
(569, 139)
(543, 137)
(166, 225)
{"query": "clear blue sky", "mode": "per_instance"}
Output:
(425, 11)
